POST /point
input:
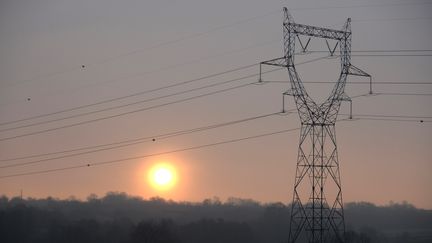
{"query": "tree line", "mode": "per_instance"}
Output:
(120, 218)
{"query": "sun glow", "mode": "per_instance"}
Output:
(162, 176)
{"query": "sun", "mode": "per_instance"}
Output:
(162, 176)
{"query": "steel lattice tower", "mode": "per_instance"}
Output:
(317, 207)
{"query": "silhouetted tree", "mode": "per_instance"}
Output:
(154, 232)
(120, 218)
(217, 231)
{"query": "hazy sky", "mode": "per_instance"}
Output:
(132, 46)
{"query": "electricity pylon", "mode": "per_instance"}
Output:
(317, 208)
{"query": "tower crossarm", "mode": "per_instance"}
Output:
(279, 62)
(316, 215)
(355, 71)
(314, 31)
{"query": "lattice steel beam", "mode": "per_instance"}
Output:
(317, 206)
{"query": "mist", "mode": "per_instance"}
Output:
(119, 217)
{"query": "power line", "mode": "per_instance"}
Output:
(215, 29)
(189, 131)
(397, 83)
(182, 83)
(133, 111)
(199, 34)
(375, 53)
(192, 36)
(131, 141)
(385, 55)
(395, 120)
(391, 19)
(355, 82)
(391, 116)
(155, 106)
(127, 142)
(124, 105)
(101, 163)
(135, 75)
(80, 123)
(359, 6)
(172, 66)
(125, 113)
(404, 94)
(376, 50)
(178, 101)
(392, 55)
(132, 95)
(159, 45)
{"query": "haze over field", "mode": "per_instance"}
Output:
(81, 105)
(117, 217)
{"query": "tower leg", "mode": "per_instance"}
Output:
(317, 213)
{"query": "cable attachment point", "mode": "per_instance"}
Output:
(260, 73)
(288, 92)
(345, 97)
(304, 47)
(332, 51)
